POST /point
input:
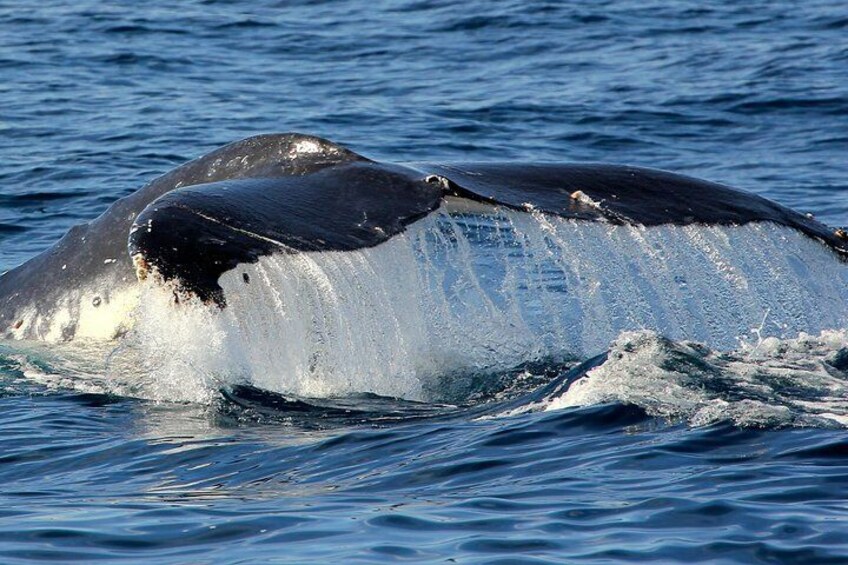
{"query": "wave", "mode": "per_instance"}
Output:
(770, 383)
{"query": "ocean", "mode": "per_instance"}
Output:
(672, 451)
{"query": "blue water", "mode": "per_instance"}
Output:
(96, 99)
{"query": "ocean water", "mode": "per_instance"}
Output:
(670, 451)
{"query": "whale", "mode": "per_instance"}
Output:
(576, 247)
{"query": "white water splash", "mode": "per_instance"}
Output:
(789, 382)
(471, 292)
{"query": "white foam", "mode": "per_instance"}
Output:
(174, 353)
(788, 382)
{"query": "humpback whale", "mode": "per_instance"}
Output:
(575, 245)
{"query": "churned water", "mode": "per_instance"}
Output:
(669, 451)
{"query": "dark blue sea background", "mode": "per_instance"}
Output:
(98, 98)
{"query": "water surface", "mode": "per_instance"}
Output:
(685, 455)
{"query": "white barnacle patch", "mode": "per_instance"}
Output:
(142, 268)
(583, 198)
(437, 180)
(304, 147)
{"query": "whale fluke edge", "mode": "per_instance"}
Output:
(323, 197)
